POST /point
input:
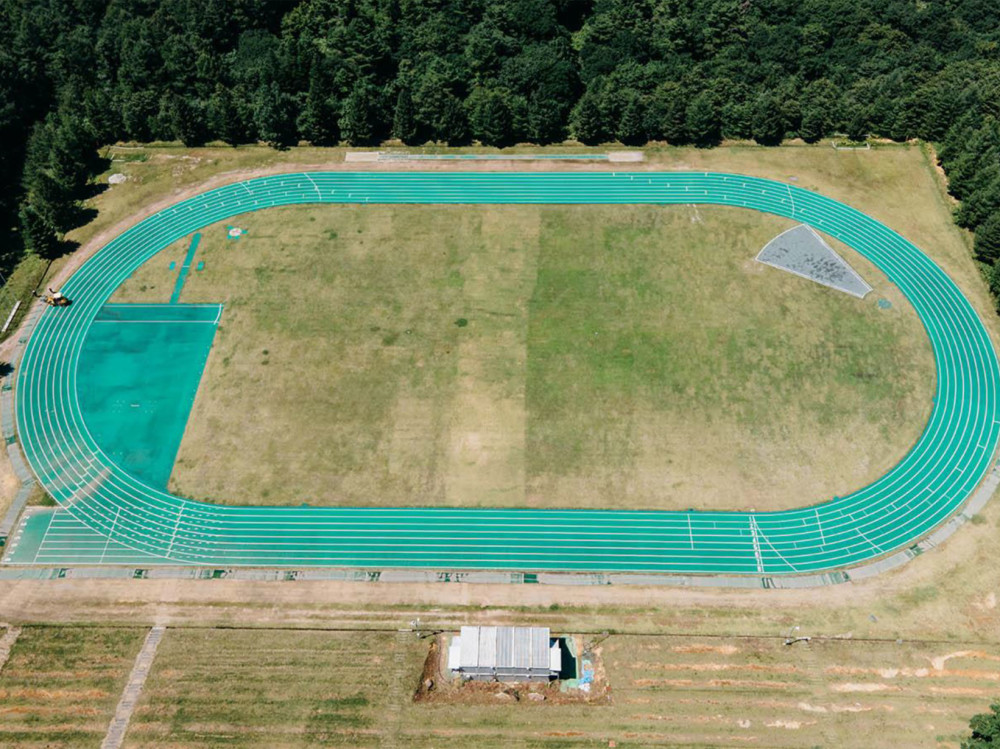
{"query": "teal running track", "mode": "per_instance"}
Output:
(928, 485)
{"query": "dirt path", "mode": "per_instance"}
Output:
(305, 603)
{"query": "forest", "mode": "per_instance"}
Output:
(76, 74)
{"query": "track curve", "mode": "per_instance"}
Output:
(928, 485)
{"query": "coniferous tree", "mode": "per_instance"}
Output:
(702, 119)
(39, 234)
(631, 129)
(404, 126)
(356, 118)
(768, 123)
(489, 117)
(987, 243)
(318, 122)
(587, 121)
(273, 116)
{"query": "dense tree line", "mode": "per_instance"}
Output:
(77, 73)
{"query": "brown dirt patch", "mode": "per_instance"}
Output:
(438, 686)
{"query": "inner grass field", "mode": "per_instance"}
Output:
(590, 356)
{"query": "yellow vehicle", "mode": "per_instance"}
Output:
(54, 298)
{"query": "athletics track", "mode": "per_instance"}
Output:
(930, 484)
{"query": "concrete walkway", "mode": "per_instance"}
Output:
(10, 636)
(136, 680)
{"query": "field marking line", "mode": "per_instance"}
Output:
(789, 189)
(819, 524)
(690, 531)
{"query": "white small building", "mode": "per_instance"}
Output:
(505, 654)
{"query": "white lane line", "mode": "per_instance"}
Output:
(765, 539)
(874, 545)
(318, 193)
(47, 528)
(690, 531)
(110, 533)
(756, 544)
(174, 534)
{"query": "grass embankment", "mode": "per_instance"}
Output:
(28, 275)
(544, 356)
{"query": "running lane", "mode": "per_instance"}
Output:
(928, 485)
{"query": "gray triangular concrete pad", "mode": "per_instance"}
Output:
(802, 251)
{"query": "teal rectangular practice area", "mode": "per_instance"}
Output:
(139, 372)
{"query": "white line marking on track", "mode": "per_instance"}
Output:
(174, 534)
(756, 544)
(47, 529)
(111, 533)
(873, 544)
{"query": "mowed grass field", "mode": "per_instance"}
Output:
(60, 686)
(242, 688)
(590, 356)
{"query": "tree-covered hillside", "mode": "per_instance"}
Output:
(78, 73)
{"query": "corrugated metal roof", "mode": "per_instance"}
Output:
(470, 646)
(540, 648)
(519, 648)
(489, 656)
